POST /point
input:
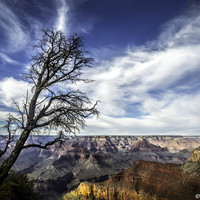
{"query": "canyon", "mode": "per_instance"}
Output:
(146, 180)
(94, 161)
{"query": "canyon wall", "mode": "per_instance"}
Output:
(146, 181)
(96, 158)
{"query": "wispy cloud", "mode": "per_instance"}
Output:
(12, 30)
(152, 89)
(7, 59)
(62, 20)
(12, 89)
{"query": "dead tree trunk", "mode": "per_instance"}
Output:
(8, 163)
(52, 104)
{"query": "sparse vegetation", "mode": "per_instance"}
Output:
(17, 187)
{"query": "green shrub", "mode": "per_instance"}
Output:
(17, 187)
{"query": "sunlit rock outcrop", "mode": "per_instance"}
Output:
(95, 158)
(192, 166)
(147, 181)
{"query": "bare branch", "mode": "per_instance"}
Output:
(61, 138)
(9, 138)
(58, 61)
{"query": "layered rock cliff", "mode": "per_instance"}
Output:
(95, 158)
(146, 181)
(192, 166)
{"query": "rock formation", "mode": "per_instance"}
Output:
(192, 166)
(95, 158)
(147, 181)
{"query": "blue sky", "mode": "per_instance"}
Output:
(147, 63)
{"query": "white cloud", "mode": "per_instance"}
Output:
(177, 116)
(182, 30)
(151, 91)
(3, 116)
(7, 59)
(154, 89)
(11, 28)
(12, 89)
(62, 20)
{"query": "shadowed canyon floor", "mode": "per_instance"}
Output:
(96, 158)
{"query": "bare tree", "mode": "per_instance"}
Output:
(8, 139)
(52, 104)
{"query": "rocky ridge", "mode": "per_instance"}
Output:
(192, 166)
(95, 158)
(146, 181)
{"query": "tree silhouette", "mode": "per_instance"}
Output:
(51, 105)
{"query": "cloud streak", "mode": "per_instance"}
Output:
(10, 89)
(12, 30)
(7, 59)
(153, 89)
(62, 20)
